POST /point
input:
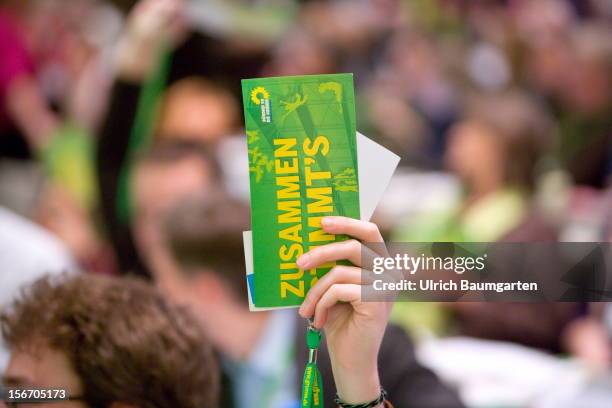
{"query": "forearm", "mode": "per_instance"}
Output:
(30, 112)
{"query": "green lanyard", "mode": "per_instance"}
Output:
(141, 132)
(312, 385)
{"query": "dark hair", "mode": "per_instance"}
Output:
(204, 232)
(521, 125)
(124, 341)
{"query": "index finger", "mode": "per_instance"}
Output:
(362, 230)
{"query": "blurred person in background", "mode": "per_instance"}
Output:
(25, 114)
(115, 342)
(494, 150)
(300, 54)
(185, 123)
(109, 342)
(61, 214)
(262, 352)
(354, 32)
(163, 177)
(586, 116)
(196, 110)
(58, 40)
(411, 83)
(53, 55)
(589, 337)
(579, 96)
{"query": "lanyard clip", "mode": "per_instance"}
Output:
(313, 341)
(311, 326)
(312, 356)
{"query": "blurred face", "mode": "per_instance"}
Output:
(203, 290)
(474, 154)
(158, 187)
(301, 55)
(587, 87)
(396, 121)
(196, 115)
(350, 25)
(547, 65)
(43, 368)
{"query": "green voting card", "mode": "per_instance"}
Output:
(302, 167)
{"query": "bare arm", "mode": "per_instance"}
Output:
(30, 112)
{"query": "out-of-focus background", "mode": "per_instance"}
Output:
(112, 115)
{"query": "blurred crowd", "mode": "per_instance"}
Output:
(122, 147)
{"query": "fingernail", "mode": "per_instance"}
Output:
(301, 311)
(303, 260)
(327, 222)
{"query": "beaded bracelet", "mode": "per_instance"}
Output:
(382, 398)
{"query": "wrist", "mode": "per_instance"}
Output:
(357, 386)
(379, 402)
(135, 62)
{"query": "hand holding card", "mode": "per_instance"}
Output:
(353, 329)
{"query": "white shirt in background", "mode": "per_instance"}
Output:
(27, 252)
